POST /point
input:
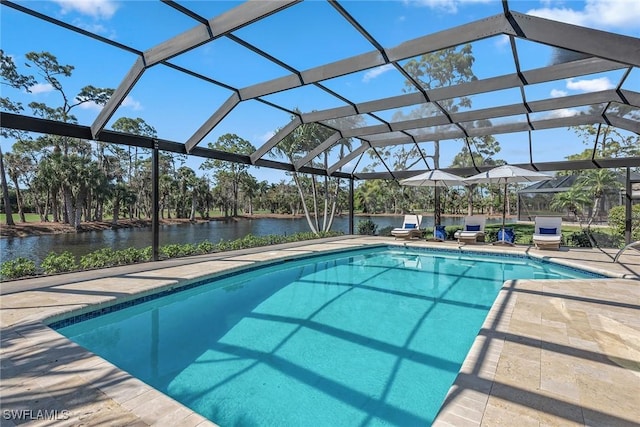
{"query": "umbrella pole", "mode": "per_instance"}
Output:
(504, 211)
(436, 193)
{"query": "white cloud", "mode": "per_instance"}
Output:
(449, 6)
(41, 88)
(593, 85)
(96, 8)
(131, 103)
(501, 41)
(375, 72)
(596, 14)
(90, 105)
(557, 93)
(265, 137)
(563, 112)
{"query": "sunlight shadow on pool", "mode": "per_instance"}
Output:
(342, 338)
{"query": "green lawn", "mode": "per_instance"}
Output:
(30, 217)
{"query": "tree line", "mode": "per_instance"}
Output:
(71, 180)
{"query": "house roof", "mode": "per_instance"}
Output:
(563, 182)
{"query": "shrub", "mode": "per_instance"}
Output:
(59, 263)
(386, 231)
(171, 251)
(17, 268)
(105, 257)
(367, 227)
(451, 231)
(147, 253)
(132, 255)
(188, 249)
(607, 240)
(579, 239)
(617, 219)
(205, 247)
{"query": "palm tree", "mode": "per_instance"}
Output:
(16, 167)
(186, 183)
(5, 194)
(572, 200)
(597, 182)
(295, 146)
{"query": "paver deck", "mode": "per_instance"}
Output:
(553, 352)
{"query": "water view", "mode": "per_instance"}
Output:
(37, 247)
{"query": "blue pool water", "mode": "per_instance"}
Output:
(363, 338)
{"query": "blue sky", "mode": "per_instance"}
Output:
(177, 104)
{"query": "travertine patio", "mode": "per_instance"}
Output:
(553, 352)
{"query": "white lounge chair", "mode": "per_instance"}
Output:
(473, 230)
(410, 227)
(548, 232)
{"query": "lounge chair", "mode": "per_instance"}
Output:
(473, 230)
(547, 233)
(410, 227)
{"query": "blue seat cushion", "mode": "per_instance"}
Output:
(506, 235)
(548, 230)
(473, 228)
(409, 226)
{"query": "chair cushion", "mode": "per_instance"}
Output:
(472, 228)
(409, 226)
(548, 230)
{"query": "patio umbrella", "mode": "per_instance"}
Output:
(506, 174)
(434, 178)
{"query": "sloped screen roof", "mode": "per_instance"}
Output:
(349, 69)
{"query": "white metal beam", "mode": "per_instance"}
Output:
(275, 139)
(324, 145)
(602, 44)
(346, 159)
(211, 122)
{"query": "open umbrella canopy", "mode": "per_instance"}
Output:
(434, 178)
(506, 174)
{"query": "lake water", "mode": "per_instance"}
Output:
(37, 247)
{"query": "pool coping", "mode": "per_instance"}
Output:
(151, 406)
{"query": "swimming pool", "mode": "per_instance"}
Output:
(366, 337)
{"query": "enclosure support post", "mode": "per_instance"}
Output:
(627, 210)
(155, 223)
(351, 206)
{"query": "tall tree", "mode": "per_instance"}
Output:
(597, 182)
(486, 147)
(443, 68)
(10, 77)
(250, 188)
(17, 167)
(137, 178)
(611, 142)
(51, 71)
(230, 143)
(5, 193)
(294, 147)
(135, 126)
